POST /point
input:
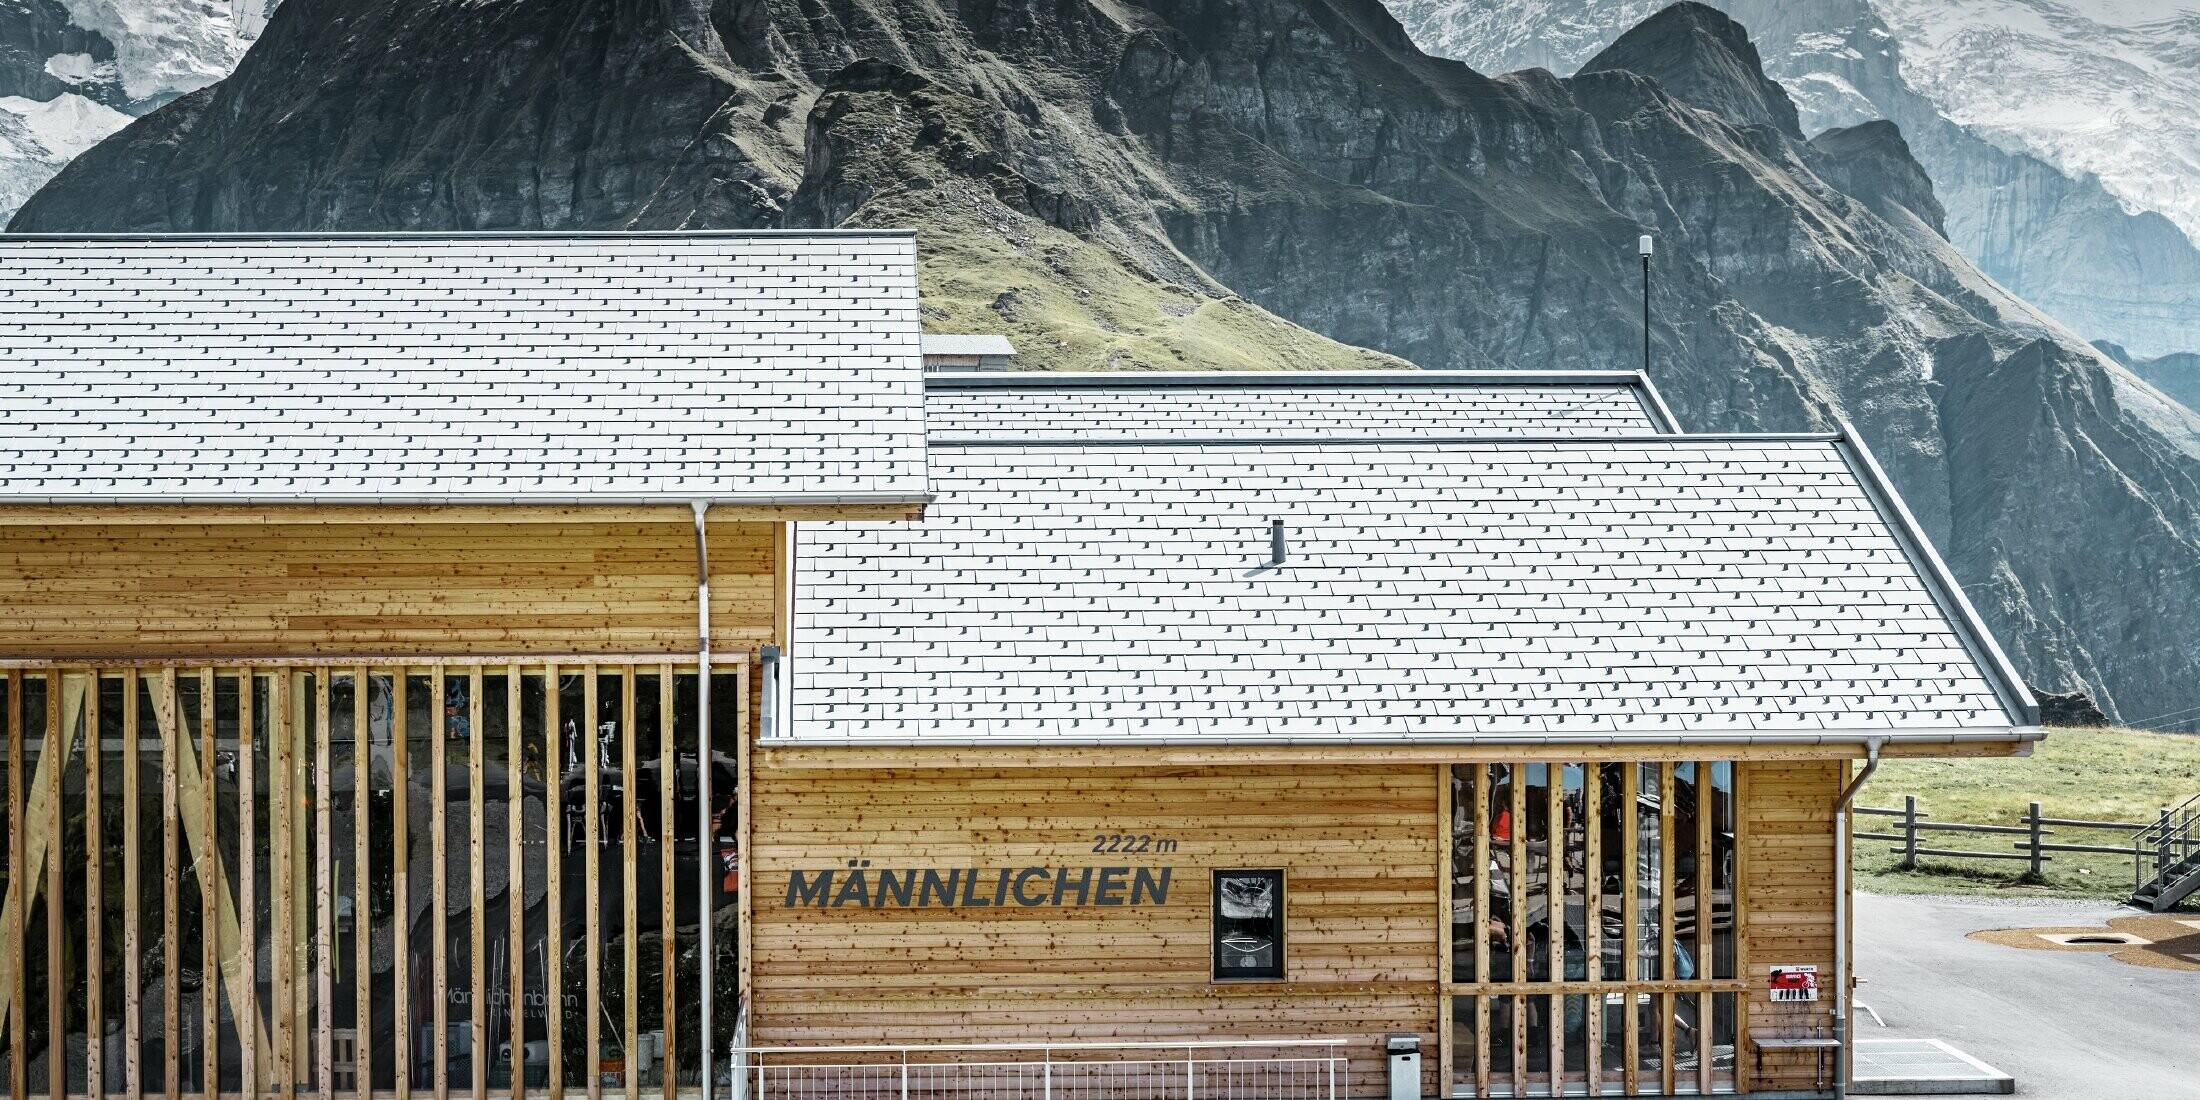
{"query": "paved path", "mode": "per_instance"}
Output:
(2067, 1025)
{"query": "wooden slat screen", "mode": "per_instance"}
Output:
(1592, 915)
(240, 879)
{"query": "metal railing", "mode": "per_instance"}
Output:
(2171, 838)
(2153, 846)
(1267, 1069)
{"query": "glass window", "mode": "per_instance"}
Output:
(1464, 821)
(1248, 925)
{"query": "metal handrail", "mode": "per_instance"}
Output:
(1181, 1044)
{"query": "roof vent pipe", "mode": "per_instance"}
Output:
(1275, 542)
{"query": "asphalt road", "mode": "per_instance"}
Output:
(2066, 1025)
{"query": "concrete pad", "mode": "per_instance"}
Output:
(1922, 1067)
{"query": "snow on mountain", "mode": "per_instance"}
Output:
(2109, 88)
(74, 71)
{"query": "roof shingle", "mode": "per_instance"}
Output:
(521, 367)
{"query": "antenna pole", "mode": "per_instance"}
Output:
(1646, 246)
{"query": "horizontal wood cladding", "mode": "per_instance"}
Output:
(211, 589)
(1357, 846)
(1788, 912)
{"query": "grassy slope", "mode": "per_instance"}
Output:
(2098, 775)
(1071, 305)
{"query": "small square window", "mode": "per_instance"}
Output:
(1248, 925)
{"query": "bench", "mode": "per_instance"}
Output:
(1796, 1037)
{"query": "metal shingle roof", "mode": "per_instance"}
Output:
(1434, 591)
(1290, 404)
(460, 367)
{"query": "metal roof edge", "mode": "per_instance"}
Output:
(996, 440)
(1654, 402)
(2012, 734)
(426, 499)
(2016, 696)
(471, 234)
(1040, 379)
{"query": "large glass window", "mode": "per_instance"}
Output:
(1592, 928)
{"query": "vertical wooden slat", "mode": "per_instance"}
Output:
(1518, 939)
(280, 872)
(51, 764)
(439, 869)
(1665, 923)
(17, 898)
(515, 890)
(324, 887)
(401, 1036)
(171, 813)
(478, 931)
(207, 858)
(95, 1017)
(592, 886)
(591, 828)
(1554, 837)
(629, 920)
(1481, 813)
(245, 968)
(1740, 825)
(303, 848)
(133, 1079)
(1592, 903)
(1631, 916)
(362, 903)
(668, 916)
(1705, 909)
(1445, 1055)
(553, 824)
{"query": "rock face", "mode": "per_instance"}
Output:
(2059, 240)
(1185, 182)
(74, 71)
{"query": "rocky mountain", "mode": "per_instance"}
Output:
(74, 71)
(2106, 263)
(1167, 183)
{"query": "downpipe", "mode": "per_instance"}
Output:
(1841, 916)
(706, 840)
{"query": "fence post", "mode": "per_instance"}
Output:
(1909, 832)
(2032, 818)
(905, 1073)
(1046, 1082)
(2161, 844)
(1188, 1053)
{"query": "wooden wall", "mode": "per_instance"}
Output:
(1358, 846)
(153, 590)
(1788, 883)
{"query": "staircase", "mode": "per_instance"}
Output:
(2172, 846)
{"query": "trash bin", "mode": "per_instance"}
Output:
(1405, 1065)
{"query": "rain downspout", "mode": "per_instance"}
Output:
(1841, 1059)
(706, 835)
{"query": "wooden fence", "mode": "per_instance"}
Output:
(249, 836)
(2033, 830)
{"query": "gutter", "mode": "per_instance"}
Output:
(986, 380)
(769, 739)
(666, 499)
(1842, 917)
(706, 837)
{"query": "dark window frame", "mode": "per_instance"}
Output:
(1216, 933)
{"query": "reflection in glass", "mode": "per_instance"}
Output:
(1463, 1046)
(1649, 869)
(1536, 878)
(1612, 872)
(1504, 914)
(1721, 809)
(1463, 871)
